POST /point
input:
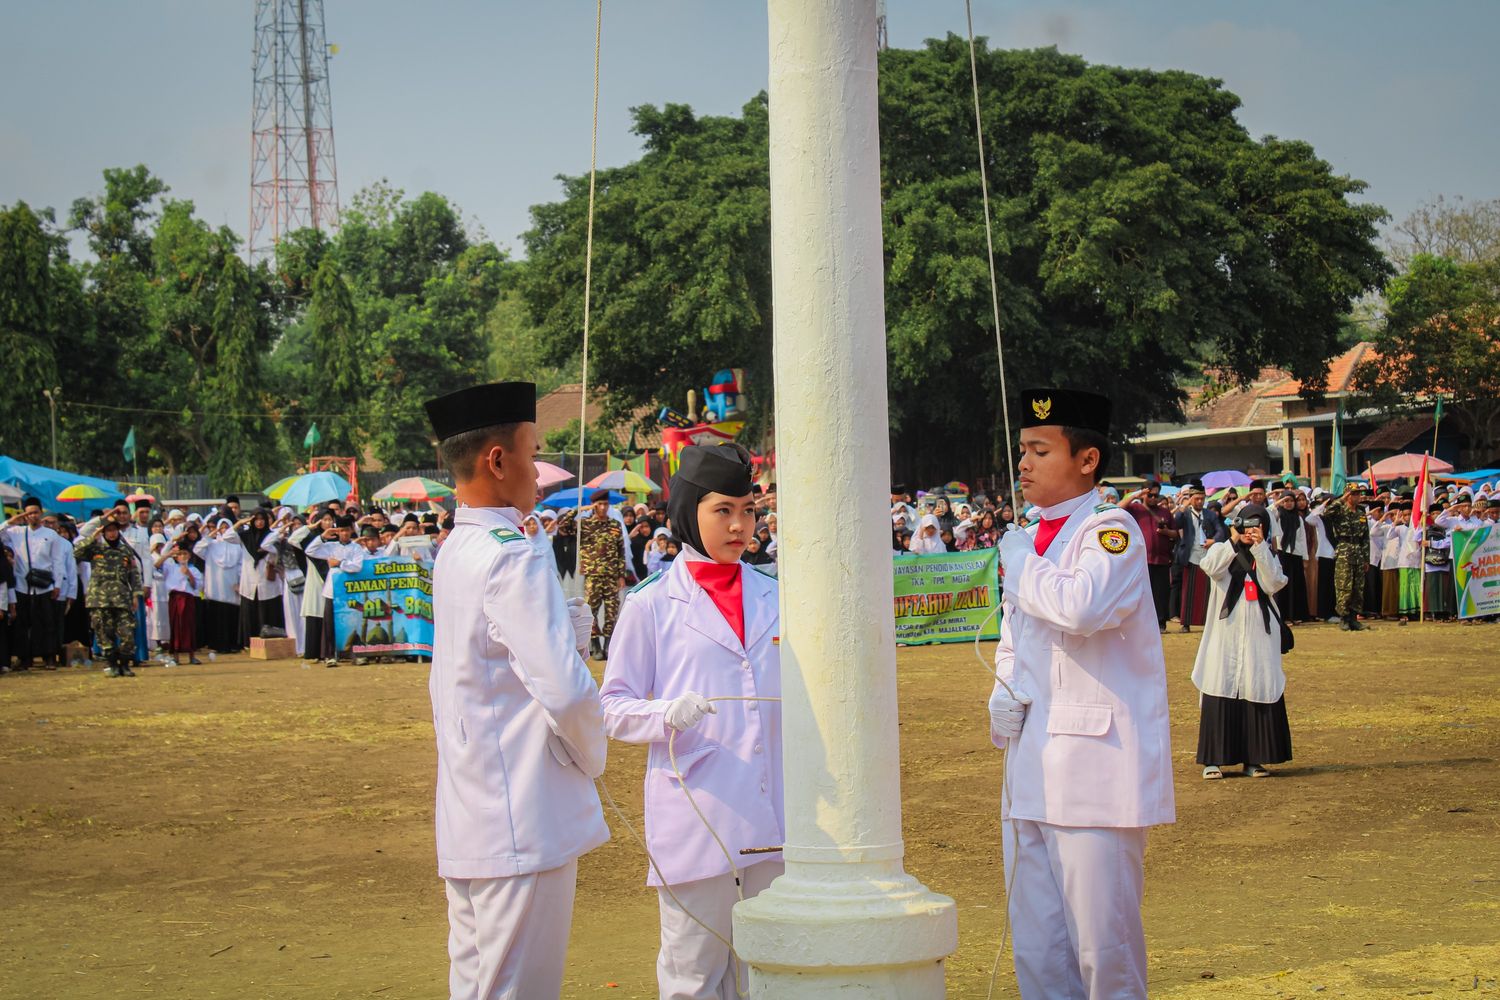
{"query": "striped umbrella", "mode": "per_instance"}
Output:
(624, 480)
(83, 491)
(414, 488)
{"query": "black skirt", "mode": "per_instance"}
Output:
(1441, 600)
(219, 627)
(1235, 731)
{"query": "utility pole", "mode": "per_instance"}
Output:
(52, 395)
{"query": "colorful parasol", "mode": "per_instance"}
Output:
(624, 480)
(414, 488)
(83, 491)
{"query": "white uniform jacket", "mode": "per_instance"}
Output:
(672, 639)
(520, 736)
(1079, 636)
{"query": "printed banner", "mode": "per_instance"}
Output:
(1476, 572)
(384, 608)
(946, 597)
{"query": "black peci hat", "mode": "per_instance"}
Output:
(482, 406)
(599, 496)
(1066, 408)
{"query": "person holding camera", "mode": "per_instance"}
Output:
(1238, 672)
(41, 558)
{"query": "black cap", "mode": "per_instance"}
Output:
(231, 499)
(599, 495)
(143, 503)
(482, 406)
(716, 468)
(344, 522)
(30, 502)
(1065, 408)
(369, 531)
(411, 518)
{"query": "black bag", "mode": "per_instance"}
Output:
(37, 579)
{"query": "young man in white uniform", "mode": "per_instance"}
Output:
(1081, 704)
(520, 735)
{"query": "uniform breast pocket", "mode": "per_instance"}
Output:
(1079, 720)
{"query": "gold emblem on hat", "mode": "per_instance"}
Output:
(1041, 407)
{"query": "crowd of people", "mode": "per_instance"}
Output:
(138, 583)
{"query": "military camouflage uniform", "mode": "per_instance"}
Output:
(114, 582)
(603, 568)
(1350, 533)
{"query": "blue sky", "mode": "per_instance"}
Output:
(486, 102)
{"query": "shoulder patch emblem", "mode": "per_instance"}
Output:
(503, 535)
(1114, 540)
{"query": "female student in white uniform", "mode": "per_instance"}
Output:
(707, 627)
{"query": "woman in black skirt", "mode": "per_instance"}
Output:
(1238, 670)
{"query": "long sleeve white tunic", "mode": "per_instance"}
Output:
(1240, 656)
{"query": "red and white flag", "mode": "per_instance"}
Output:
(1423, 497)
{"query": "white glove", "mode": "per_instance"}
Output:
(1007, 714)
(582, 618)
(687, 711)
(1015, 546)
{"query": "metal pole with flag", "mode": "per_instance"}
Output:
(311, 440)
(129, 452)
(1338, 475)
(1437, 420)
(1420, 502)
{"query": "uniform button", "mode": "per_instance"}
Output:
(758, 748)
(745, 664)
(762, 786)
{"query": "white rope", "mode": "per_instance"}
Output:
(1015, 503)
(588, 288)
(739, 889)
(989, 242)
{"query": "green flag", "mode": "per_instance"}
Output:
(313, 437)
(1339, 477)
(129, 449)
(1437, 414)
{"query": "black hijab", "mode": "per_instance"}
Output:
(1243, 566)
(701, 470)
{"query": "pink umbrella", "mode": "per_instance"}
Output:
(1406, 466)
(548, 474)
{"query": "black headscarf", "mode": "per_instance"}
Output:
(701, 470)
(1291, 524)
(1242, 568)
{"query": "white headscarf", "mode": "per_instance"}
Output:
(925, 544)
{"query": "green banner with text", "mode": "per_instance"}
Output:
(947, 597)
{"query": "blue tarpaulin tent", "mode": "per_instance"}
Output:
(1484, 475)
(45, 484)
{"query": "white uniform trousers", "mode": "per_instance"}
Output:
(692, 963)
(1075, 910)
(508, 937)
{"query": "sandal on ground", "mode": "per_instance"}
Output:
(1256, 771)
(1211, 771)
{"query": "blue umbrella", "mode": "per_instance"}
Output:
(315, 487)
(570, 497)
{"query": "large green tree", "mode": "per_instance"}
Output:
(681, 273)
(1441, 339)
(1141, 233)
(336, 383)
(38, 299)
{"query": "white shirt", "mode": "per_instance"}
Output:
(221, 557)
(1325, 546)
(1410, 554)
(1296, 545)
(180, 578)
(1390, 546)
(332, 551)
(40, 547)
(520, 735)
(139, 537)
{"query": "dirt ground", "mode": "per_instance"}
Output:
(259, 830)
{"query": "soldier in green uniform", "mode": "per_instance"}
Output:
(601, 546)
(115, 583)
(1344, 519)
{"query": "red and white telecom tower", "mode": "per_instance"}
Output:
(293, 178)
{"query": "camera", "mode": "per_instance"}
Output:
(1249, 516)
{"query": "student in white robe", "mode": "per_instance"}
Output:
(291, 562)
(314, 570)
(222, 553)
(1242, 713)
(707, 627)
(334, 546)
(260, 579)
